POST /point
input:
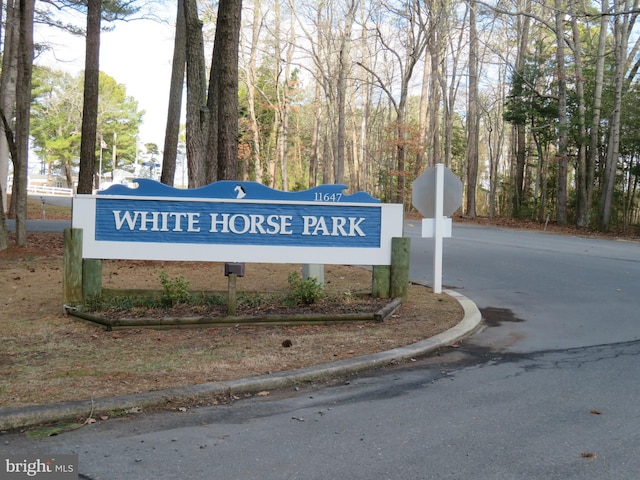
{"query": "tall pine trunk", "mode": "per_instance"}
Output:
(172, 130)
(90, 105)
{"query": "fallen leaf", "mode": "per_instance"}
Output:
(264, 393)
(588, 455)
(596, 412)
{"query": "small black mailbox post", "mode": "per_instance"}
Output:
(233, 270)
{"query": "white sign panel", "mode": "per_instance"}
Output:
(237, 222)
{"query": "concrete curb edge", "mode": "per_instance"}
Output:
(21, 417)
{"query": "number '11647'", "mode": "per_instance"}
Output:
(327, 197)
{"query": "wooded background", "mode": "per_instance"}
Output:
(533, 104)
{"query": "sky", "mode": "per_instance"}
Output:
(137, 54)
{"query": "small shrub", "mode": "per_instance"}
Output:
(251, 300)
(304, 292)
(94, 303)
(214, 300)
(175, 290)
(97, 303)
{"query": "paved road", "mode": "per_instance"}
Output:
(547, 391)
(41, 225)
(546, 291)
(44, 225)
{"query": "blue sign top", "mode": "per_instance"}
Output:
(237, 190)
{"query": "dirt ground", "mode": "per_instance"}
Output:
(46, 356)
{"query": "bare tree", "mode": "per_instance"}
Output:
(251, 79)
(626, 13)
(284, 106)
(449, 79)
(594, 137)
(344, 65)
(520, 130)
(582, 207)
(330, 53)
(562, 114)
(472, 115)
(411, 37)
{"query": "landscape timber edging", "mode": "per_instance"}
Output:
(245, 320)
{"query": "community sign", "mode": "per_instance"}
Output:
(235, 221)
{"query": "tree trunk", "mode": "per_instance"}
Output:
(4, 233)
(594, 137)
(562, 115)
(284, 106)
(620, 33)
(8, 96)
(172, 130)
(23, 108)
(422, 118)
(520, 131)
(5, 106)
(90, 103)
(344, 62)
(472, 116)
(197, 113)
(365, 108)
(435, 56)
(314, 161)
(223, 94)
(449, 93)
(252, 80)
(582, 207)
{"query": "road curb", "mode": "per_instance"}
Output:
(21, 417)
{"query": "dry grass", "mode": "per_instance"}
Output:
(48, 357)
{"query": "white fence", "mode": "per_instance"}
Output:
(44, 190)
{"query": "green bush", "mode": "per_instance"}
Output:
(214, 300)
(175, 290)
(251, 300)
(97, 303)
(304, 292)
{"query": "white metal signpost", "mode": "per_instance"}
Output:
(437, 194)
